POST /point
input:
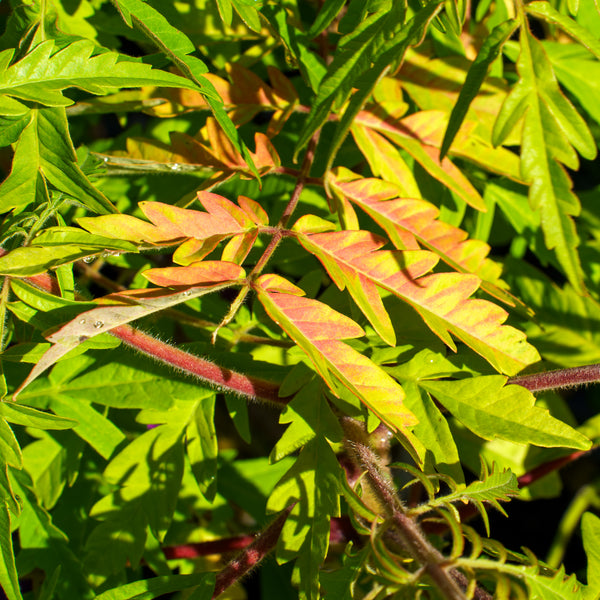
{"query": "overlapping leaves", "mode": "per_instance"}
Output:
(552, 131)
(354, 259)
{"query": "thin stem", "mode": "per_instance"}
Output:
(289, 209)
(251, 556)
(559, 379)
(409, 533)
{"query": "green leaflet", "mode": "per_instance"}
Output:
(495, 487)
(590, 530)
(58, 246)
(53, 462)
(552, 130)
(309, 416)
(196, 416)
(492, 409)
(565, 328)
(489, 51)
(42, 74)
(329, 10)
(579, 73)
(45, 154)
(9, 579)
(392, 51)
(119, 379)
(91, 426)
(148, 472)
(544, 10)
(44, 546)
(147, 589)
(354, 57)
(10, 451)
(310, 64)
(177, 46)
(31, 417)
(312, 482)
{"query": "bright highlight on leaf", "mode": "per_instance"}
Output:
(318, 329)
(552, 131)
(354, 259)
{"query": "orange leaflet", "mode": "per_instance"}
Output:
(354, 260)
(318, 329)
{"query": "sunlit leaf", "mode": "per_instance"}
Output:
(492, 409)
(354, 260)
(317, 329)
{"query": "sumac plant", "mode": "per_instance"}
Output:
(290, 293)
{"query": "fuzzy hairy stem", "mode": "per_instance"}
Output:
(559, 378)
(199, 368)
(408, 531)
(252, 555)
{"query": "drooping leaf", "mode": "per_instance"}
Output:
(354, 260)
(124, 307)
(317, 329)
(552, 130)
(492, 409)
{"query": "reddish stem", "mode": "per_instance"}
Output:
(251, 556)
(560, 378)
(227, 380)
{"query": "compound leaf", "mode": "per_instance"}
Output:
(552, 130)
(354, 260)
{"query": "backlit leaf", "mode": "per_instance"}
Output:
(318, 329)
(411, 134)
(354, 260)
(552, 130)
(492, 409)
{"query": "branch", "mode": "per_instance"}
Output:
(199, 368)
(558, 379)
(409, 533)
(251, 556)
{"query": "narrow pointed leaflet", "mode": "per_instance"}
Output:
(552, 131)
(318, 329)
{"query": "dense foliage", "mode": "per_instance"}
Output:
(280, 280)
